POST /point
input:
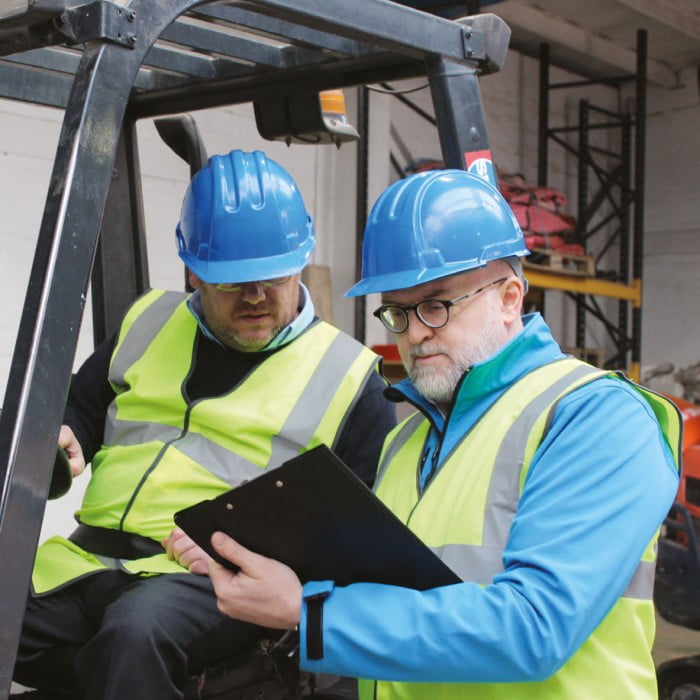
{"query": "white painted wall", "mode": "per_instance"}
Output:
(671, 311)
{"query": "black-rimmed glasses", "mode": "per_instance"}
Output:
(434, 313)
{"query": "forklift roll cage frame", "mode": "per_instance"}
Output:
(109, 64)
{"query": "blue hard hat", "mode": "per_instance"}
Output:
(434, 224)
(243, 220)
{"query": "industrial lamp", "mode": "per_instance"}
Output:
(311, 118)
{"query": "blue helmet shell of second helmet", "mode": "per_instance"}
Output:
(243, 219)
(434, 224)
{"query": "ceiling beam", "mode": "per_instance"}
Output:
(554, 30)
(681, 15)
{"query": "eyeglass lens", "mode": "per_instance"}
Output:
(236, 286)
(432, 312)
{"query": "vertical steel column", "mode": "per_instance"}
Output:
(625, 205)
(543, 133)
(55, 299)
(459, 112)
(639, 178)
(543, 123)
(49, 327)
(582, 222)
(361, 194)
(120, 271)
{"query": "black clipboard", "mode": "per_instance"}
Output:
(316, 516)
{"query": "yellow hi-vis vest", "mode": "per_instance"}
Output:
(465, 515)
(162, 454)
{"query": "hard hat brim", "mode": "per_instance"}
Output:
(253, 270)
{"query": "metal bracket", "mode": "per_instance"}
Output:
(473, 44)
(485, 40)
(99, 20)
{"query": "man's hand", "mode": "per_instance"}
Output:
(182, 549)
(264, 592)
(68, 441)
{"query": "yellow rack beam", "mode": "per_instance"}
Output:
(585, 285)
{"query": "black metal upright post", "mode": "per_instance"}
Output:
(582, 219)
(543, 123)
(361, 194)
(460, 117)
(639, 177)
(120, 272)
(52, 313)
(623, 306)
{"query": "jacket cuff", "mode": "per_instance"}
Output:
(311, 627)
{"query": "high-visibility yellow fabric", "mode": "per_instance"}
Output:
(163, 454)
(455, 511)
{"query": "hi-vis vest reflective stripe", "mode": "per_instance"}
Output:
(162, 454)
(482, 481)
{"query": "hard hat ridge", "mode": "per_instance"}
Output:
(243, 219)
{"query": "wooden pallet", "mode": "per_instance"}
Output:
(567, 263)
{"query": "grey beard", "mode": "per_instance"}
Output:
(438, 386)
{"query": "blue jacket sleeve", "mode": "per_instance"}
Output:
(597, 490)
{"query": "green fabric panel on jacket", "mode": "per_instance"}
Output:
(63, 562)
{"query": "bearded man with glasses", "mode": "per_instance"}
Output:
(540, 480)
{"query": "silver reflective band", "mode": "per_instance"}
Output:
(481, 564)
(143, 329)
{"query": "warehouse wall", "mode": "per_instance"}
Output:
(671, 312)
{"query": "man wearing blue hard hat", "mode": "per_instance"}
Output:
(195, 394)
(539, 479)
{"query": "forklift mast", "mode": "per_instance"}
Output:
(107, 64)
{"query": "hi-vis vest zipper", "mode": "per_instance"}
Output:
(162, 454)
(482, 481)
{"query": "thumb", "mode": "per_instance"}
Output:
(229, 549)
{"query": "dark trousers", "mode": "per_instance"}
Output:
(115, 636)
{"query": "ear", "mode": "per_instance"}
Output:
(512, 299)
(194, 280)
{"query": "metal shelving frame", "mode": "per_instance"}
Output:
(619, 175)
